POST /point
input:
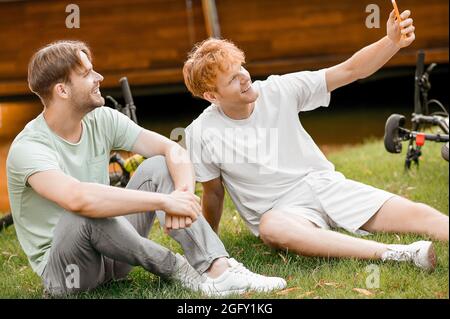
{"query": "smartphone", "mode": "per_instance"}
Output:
(397, 13)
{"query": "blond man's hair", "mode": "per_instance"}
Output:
(206, 60)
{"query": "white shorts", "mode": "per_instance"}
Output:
(329, 200)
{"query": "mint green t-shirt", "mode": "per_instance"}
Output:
(38, 149)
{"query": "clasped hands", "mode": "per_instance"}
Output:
(182, 208)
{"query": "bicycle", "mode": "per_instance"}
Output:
(396, 133)
(127, 165)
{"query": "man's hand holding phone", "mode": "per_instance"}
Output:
(400, 28)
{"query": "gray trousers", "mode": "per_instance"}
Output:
(87, 252)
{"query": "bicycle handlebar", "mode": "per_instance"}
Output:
(430, 69)
(130, 108)
(126, 91)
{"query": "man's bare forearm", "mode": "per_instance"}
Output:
(180, 167)
(371, 58)
(212, 207)
(100, 201)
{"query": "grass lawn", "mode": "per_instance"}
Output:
(306, 277)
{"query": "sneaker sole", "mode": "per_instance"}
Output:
(239, 291)
(224, 293)
(431, 257)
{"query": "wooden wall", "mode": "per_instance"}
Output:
(148, 40)
(320, 33)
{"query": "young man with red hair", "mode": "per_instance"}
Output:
(291, 196)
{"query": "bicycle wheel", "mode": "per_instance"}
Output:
(392, 138)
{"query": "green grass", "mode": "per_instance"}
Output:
(306, 277)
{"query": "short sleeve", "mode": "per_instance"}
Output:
(308, 88)
(200, 155)
(27, 158)
(121, 131)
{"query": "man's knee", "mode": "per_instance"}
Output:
(151, 173)
(154, 167)
(271, 229)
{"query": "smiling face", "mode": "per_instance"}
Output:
(214, 71)
(84, 87)
(234, 88)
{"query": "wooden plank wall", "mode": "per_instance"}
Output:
(319, 33)
(148, 40)
(145, 39)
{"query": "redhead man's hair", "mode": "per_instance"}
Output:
(53, 64)
(206, 60)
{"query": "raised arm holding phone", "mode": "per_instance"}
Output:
(292, 197)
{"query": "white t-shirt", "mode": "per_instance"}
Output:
(265, 156)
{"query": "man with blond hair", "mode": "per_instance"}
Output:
(76, 230)
(250, 141)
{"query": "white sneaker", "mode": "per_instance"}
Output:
(238, 279)
(420, 252)
(186, 274)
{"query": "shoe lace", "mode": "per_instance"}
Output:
(403, 255)
(239, 268)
